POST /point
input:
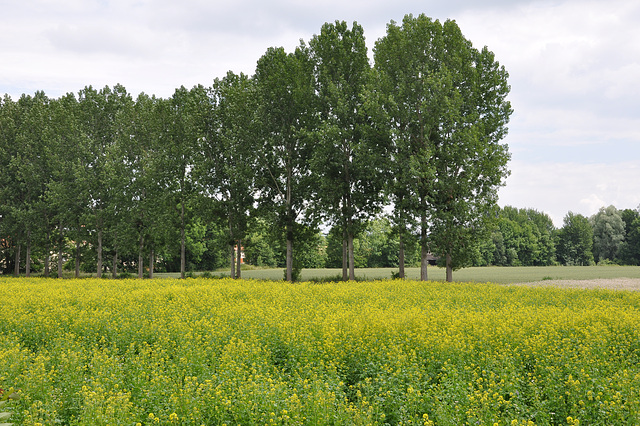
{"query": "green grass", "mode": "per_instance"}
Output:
(502, 275)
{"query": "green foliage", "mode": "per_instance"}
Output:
(447, 107)
(349, 146)
(216, 254)
(285, 87)
(575, 241)
(295, 272)
(310, 249)
(521, 237)
(125, 275)
(608, 233)
(378, 244)
(261, 246)
(375, 247)
(7, 396)
(629, 251)
(195, 239)
(334, 248)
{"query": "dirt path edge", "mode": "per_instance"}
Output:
(609, 283)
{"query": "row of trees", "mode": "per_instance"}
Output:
(315, 136)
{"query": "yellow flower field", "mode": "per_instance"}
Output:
(214, 352)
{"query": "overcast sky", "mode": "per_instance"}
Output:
(574, 70)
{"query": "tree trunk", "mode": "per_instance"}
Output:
(290, 223)
(60, 252)
(77, 259)
(352, 269)
(114, 268)
(16, 270)
(449, 268)
(59, 262)
(232, 258)
(151, 262)
(183, 252)
(99, 253)
(401, 257)
(345, 256)
(232, 249)
(141, 258)
(289, 260)
(239, 260)
(424, 262)
(27, 268)
(47, 256)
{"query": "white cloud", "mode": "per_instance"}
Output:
(574, 67)
(592, 203)
(573, 70)
(557, 188)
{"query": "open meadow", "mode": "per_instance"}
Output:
(497, 274)
(217, 351)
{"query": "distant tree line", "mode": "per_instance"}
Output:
(518, 237)
(526, 237)
(100, 181)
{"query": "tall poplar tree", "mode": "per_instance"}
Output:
(350, 151)
(230, 153)
(183, 117)
(7, 141)
(96, 113)
(119, 178)
(406, 61)
(286, 93)
(66, 196)
(30, 168)
(10, 117)
(141, 157)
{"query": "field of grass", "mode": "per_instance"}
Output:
(502, 275)
(214, 352)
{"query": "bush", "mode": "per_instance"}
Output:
(126, 275)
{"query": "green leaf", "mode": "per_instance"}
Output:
(5, 416)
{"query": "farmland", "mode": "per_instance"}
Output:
(502, 275)
(204, 351)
